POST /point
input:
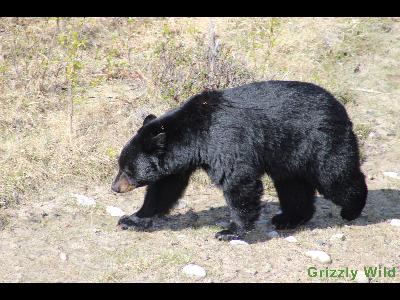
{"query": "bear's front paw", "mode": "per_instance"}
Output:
(228, 235)
(134, 223)
(232, 232)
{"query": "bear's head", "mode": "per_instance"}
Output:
(141, 158)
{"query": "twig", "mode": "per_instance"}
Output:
(213, 45)
(371, 91)
(71, 108)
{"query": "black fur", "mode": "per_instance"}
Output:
(296, 132)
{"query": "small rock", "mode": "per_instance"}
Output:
(361, 278)
(370, 177)
(180, 205)
(392, 175)
(338, 236)
(272, 234)
(291, 239)
(320, 242)
(395, 222)
(194, 270)
(320, 256)
(267, 267)
(252, 272)
(115, 211)
(370, 111)
(372, 135)
(63, 256)
(238, 242)
(83, 200)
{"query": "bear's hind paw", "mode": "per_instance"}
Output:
(283, 221)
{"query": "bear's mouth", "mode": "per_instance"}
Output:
(122, 184)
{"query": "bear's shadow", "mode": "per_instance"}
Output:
(382, 205)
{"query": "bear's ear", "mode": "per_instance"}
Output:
(148, 119)
(157, 143)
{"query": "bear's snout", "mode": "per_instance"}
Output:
(121, 184)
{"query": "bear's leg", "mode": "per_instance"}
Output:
(296, 197)
(350, 193)
(243, 199)
(159, 199)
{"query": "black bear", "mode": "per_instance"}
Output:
(296, 132)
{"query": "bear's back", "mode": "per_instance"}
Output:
(267, 105)
(271, 93)
(286, 101)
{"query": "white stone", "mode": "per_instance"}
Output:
(180, 205)
(115, 211)
(267, 267)
(392, 175)
(238, 242)
(83, 200)
(194, 270)
(361, 278)
(63, 256)
(395, 222)
(338, 236)
(291, 239)
(320, 256)
(272, 234)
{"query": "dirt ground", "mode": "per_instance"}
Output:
(45, 236)
(41, 230)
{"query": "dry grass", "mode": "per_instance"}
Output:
(126, 68)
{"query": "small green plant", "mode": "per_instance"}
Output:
(111, 152)
(73, 43)
(362, 131)
(345, 97)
